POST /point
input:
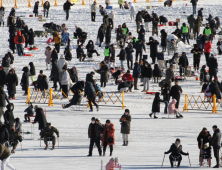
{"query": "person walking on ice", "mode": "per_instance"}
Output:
(5, 156)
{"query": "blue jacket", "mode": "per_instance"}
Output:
(136, 70)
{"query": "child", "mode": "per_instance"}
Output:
(172, 109)
(203, 75)
(30, 112)
(18, 125)
(113, 163)
(156, 105)
(32, 71)
(166, 96)
(205, 154)
(48, 53)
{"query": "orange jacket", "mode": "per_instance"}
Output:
(16, 38)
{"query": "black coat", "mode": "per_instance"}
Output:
(122, 54)
(32, 69)
(9, 116)
(76, 99)
(78, 86)
(25, 78)
(156, 71)
(55, 72)
(153, 47)
(183, 61)
(123, 85)
(108, 31)
(196, 52)
(176, 151)
(11, 42)
(104, 73)
(156, 103)
(155, 21)
(90, 91)
(136, 70)
(43, 84)
(216, 138)
(3, 97)
(217, 22)
(46, 5)
(147, 72)
(140, 47)
(40, 118)
(11, 57)
(89, 78)
(174, 92)
(129, 53)
(212, 64)
(29, 110)
(90, 47)
(67, 5)
(163, 39)
(31, 35)
(4, 135)
(139, 17)
(119, 33)
(6, 61)
(68, 54)
(54, 56)
(194, 2)
(12, 82)
(203, 75)
(205, 137)
(3, 78)
(147, 18)
(214, 89)
(101, 33)
(73, 75)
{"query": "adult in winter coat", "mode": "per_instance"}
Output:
(136, 74)
(73, 74)
(197, 51)
(55, 75)
(9, 116)
(29, 112)
(156, 105)
(119, 35)
(200, 14)
(147, 74)
(207, 49)
(185, 30)
(25, 32)
(11, 42)
(90, 93)
(191, 21)
(132, 10)
(196, 27)
(213, 27)
(194, 4)
(213, 65)
(101, 34)
(105, 21)
(19, 40)
(19, 23)
(204, 137)
(169, 75)
(46, 7)
(155, 21)
(5, 156)
(31, 38)
(141, 33)
(91, 49)
(163, 20)
(203, 74)
(10, 21)
(207, 30)
(61, 62)
(66, 8)
(125, 126)
(11, 82)
(183, 63)
(216, 143)
(36, 8)
(6, 61)
(175, 92)
(3, 76)
(40, 117)
(163, 40)
(129, 56)
(138, 20)
(57, 40)
(3, 98)
(122, 55)
(156, 73)
(111, 18)
(43, 84)
(80, 53)
(4, 135)
(103, 74)
(147, 20)
(217, 22)
(25, 79)
(11, 57)
(120, 2)
(48, 53)
(108, 33)
(173, 110)
(94, 133)
(153, 48)
(2, 16)
(68, 54)
(32, 71)
(54, 55)
(176, 152)
(82, 38)
(168, 3)
(48, 132)
(108, 137)
(128, 77)
(219, 46)
(65, 81)
(139, 49)
(93, 11)
(214, 88)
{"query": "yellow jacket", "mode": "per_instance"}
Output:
(57, 38)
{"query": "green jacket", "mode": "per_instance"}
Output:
(49, 132)
(4, 152)
(125, 125)
(120, 1)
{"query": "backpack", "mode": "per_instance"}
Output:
(20, 39)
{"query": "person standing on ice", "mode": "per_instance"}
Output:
(176, 152)
(185, 30)
(66, 8)
(132, 10)
(156, 105)
(65, 81)
(93, 11)
(111, 18)
(40, 117)
(94, 131)
(25, 80)
(46, 7)
(32, 71)
(48, 53)
(216, 143)
(57, 40)
(19, 41)
(194, 4)
(175, 92)
(4, 157)
(36, 8)
(125, 126)
(12, 82)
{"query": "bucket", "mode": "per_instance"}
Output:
(197, 78)
(30, 15)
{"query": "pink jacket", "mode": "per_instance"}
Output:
(111, 164)
(171, 106)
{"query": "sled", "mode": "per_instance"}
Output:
(30, 15)
(151, 92)
(28, 55)
(41, 33)
(161, 25)
(49, 41)
(171, 23)
(33, 48)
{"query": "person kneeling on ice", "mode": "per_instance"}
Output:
(14, 138)
(48, 134)
(113, 163)
(156, 105)
(76, 100)
(176, 152)
(172, 109)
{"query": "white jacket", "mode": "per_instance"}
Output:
(65, 78)
(2, 16)
(111, 15)
(61, 62)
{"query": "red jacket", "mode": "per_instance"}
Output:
(127, 77)
(16, 38)
(207, 47)
(111, 132)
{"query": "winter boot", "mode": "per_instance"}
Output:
(104, 153)
(151, 114)
(155, 117)
(97, 108)
(111, 154)
(13, 151)
(124, 143)
(53, 147)
(46, 147)
(127, 143)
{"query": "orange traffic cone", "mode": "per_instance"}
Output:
(197, 78)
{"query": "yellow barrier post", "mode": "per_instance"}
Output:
(96, 2)
(134, 1)
(56, 4)
(185, 108)
(160, 0)
(50, 98)
(42, 2)
(214, 109)
(83, 2)
(1, 3)
(28, 96)
(29, 5)
(123, 105)
(16, 6)
(148, 1)
(173, 0)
